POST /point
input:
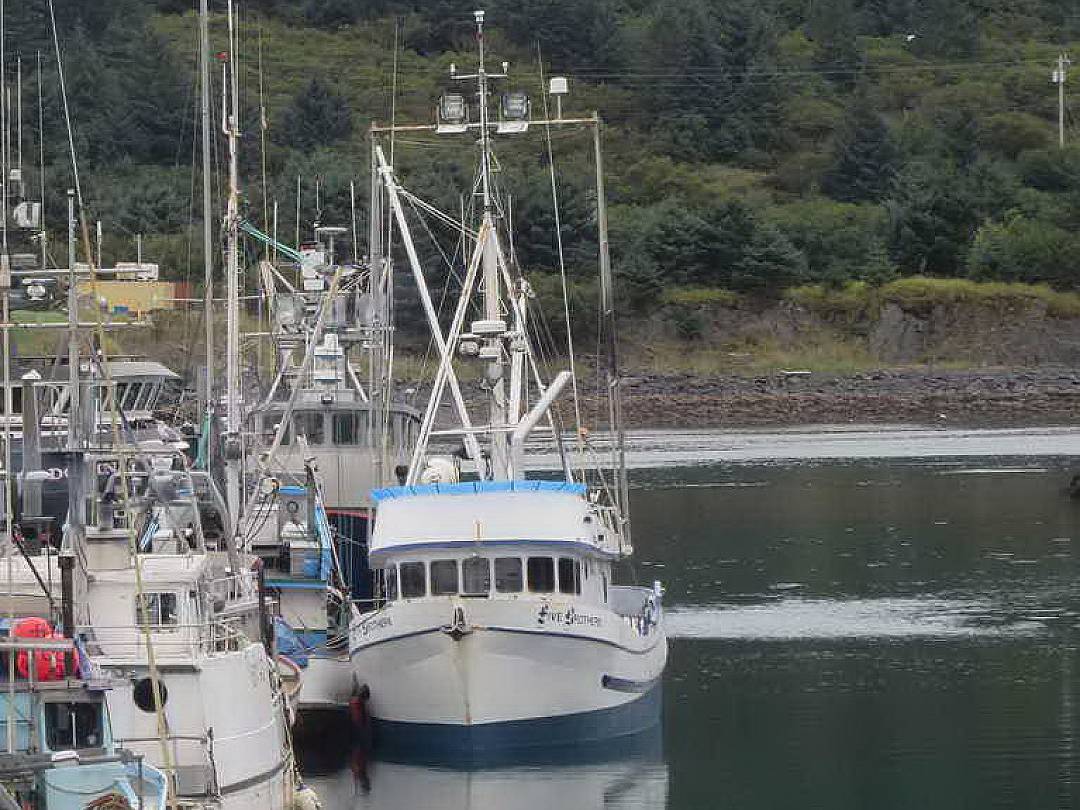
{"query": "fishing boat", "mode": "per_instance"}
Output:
(57, 751)
(302, 575)
(181, 627)
(311, 443)
(501, 623)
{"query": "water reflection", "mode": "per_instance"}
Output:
(885, 634)
(817, 619)
(626, 775)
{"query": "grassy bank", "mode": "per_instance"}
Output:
(943, 323)
(921, 295)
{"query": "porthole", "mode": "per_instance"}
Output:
(143, 694)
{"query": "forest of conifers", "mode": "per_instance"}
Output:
(752, 145)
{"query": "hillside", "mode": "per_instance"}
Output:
(752, 146)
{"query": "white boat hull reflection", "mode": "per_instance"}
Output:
(630, 775)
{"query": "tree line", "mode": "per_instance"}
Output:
(756, 144)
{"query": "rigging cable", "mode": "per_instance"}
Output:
(562, 267)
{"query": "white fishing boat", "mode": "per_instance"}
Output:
(312, 448)
(502, 624)
(179, 627)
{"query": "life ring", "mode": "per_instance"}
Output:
(291, 684)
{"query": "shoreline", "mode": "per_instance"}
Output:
(983, 398)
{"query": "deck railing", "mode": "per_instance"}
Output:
(169, 641)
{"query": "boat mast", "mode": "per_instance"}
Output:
(496, 370)
(232, 269)
(208, 235)
(614, 377)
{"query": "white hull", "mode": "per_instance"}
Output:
(509, 669)
(224, 719)
(242, 764)
(327, 684)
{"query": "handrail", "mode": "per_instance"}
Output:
(170, 640)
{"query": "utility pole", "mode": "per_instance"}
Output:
(1058, 77)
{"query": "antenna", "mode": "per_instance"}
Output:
(19, 130)
(41, 157)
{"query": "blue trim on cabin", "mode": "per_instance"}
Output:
(296, 585)
(476, 488)
(633, 717)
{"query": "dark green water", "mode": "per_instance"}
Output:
(863, 635)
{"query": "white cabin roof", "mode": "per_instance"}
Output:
(140, 368)
(457, 518)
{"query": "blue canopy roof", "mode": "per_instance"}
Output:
(476, 487)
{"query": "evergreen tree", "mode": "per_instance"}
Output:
(834, 27)
(946, 28)
(317, 116)
(864, 156)
(570, 32)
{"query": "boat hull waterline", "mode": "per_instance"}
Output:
(508, 683)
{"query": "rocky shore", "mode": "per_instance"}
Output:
(989, 397)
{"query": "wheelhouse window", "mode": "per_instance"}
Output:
(569, 575)
(73, 725)
(310, 425)
(508, 575)
(157, 609)
(350, 428)
(541, 574)
(444, 577)
(476, 576)
(413, 581)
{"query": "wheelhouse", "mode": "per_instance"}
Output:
(512, 540)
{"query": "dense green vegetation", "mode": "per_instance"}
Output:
(753, 145)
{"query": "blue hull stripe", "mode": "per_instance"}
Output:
(631, 718)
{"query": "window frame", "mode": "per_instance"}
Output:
(305, 419)
(529, 574)
(575, 576)
(520, 575)
(155, 603)
(465, 564)
(413, 565)
(436, 587)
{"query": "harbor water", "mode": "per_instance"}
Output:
(885, 629)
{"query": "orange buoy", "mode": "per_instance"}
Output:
(49, 665)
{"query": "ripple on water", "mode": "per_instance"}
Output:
(888, 618)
